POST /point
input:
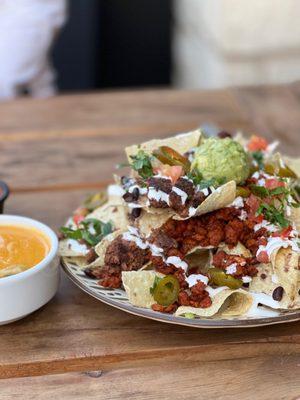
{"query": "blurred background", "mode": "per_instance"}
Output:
(50, 46)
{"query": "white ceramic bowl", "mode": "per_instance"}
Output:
(23, 293)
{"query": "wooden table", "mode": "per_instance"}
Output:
(53, 153)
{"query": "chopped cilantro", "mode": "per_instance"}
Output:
(141, 162)
(155, 283)
(259, 158)
(263, 192)
(92, 231)
(273, 214)
(259, 191)
(195, 176)
(211, 182)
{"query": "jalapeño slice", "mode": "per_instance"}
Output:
(167, 290)
(283, 172)
(169, 156)
(219, 278)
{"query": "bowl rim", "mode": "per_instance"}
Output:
(26, 221)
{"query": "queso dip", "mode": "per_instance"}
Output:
(21, 248)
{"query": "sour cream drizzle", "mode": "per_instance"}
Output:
(266, 300)
(115, 190)
(77, 247)
(275, 243)
(180, 193)
(158, 195)
(194, 278)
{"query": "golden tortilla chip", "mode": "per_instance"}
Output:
(117, 214)
(137, 285)
(147, 222)
(181, 143)
(282, 272)
(238, 250)
(226, 303)
(295, 217)
(294, 164)
(223, 196)
(200, 259)
(72, 248)
(78, 261)
(286, 268)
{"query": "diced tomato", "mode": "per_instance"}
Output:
(259, 218)
(257, 143)
(262, 241)
(174, 172)
(284, 233)
(253, 203)
(273, 183)
(80, 214)
(263, 257)
(77, 218)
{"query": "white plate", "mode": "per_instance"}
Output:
(117, 298)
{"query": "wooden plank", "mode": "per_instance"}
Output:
(74, 139)
(116, 113)
(263, 378)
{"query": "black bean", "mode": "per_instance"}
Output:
(278, 293)
(263, 276)
(91, 256)
(128, 197)
(135, 194)
(136, 212)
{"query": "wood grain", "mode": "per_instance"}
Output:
(55, 152)
(263, 377)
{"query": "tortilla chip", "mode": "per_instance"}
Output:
(226, 303)
(117, 214)
(200, 259)
(282, 272)
(264, 281)
(294, 164)
(78, 261)
(101, 247)
(223, 196)
(295, 217)
(72, 248)
(147, 222)
(137, 285)
(181, 143)
(238, 250)
(286, 268)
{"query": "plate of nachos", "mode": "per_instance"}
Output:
(198, 231)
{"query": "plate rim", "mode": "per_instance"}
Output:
(171, 319)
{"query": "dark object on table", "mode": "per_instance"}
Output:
(4, 193)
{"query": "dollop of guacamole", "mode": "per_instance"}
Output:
(222, 159)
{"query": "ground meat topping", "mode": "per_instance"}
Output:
(158, 183)
(198, 296)
(126, 255)
(161, 240)
(211, 229)
(237, 266)
(165, 309)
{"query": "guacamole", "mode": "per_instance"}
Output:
(222, 159)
